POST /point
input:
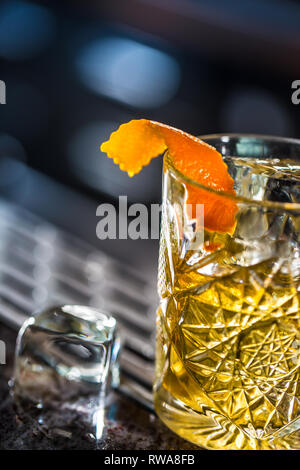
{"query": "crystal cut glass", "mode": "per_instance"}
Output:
(228, 334)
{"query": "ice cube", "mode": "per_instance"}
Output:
(272, 179)
(66, 360)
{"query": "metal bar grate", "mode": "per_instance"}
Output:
(42, 266)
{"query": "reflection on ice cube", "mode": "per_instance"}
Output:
(66, 361)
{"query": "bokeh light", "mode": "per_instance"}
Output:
(129, 72)
(12, 161)
(25, 29)
(254, 110)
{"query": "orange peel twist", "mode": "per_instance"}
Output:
(137, 142)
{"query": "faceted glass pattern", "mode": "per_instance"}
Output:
(228, 336)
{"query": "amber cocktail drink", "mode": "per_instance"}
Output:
(228, 325)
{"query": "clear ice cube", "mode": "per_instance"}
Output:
(265, 232)
(66, 361)
(266, 180)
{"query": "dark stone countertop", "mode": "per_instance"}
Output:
(127, 425)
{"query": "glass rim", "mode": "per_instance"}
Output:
(285, 206)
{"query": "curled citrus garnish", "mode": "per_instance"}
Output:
(135, 143)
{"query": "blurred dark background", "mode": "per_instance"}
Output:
(75, 70)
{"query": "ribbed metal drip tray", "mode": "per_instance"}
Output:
(42, 266)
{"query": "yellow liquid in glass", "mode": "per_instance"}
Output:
(228, 334)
